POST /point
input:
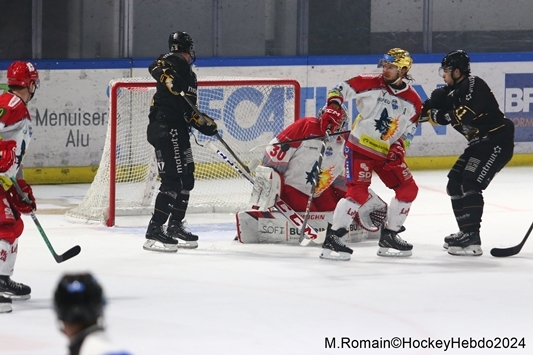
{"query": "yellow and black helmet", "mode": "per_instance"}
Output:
(397, 56)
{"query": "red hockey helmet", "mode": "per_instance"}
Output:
(22, 74)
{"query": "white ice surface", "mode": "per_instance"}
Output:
(231, 298)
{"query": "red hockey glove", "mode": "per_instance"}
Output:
(331, 118)
(17, 201)
(394, 157)
(7, 154)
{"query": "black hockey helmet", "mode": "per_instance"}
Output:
(182, 42)
(79, 299)
(456, 60)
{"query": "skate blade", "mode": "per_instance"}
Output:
(15, 297)
(187, 245)
(6, 308)
(338, 256)
(154, 245)
(393, 253)
(471, 250)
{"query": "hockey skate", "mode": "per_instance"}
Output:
(452, 237)
(158, 240)
(468, 244)
(14, 290)
(5, 304)
(390, 244)
(334, 243)
(185, 239)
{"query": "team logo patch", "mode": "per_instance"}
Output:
(394, 104)
(472, 164)
(2, 112)
(329, 151)
(386, 125)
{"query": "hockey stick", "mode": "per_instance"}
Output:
(298, 140)
(72, 252)
(195, 109)
(316, 175)
(503, 252)
(311, 234)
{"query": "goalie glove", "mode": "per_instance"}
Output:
(204, 124)
(331, 119)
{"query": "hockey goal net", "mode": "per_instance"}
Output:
(248, 111)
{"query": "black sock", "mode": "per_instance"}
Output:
(163, 207)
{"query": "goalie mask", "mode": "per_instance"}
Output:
(79, 299)
(398, 57)
(182, 42)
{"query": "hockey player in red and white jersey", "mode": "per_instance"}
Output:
(389, 109)
(15, 135)
(287, 171)
(296, 162)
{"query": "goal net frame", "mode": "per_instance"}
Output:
(109, 212)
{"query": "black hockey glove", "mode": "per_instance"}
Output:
(203, 123)
(426, 111)
(440, 117)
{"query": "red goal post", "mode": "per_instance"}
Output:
(248, 111)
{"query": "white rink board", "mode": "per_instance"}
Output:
(61, 140)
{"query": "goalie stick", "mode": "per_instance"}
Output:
(310, 233)
(316, 176)
(503, 252)
(195, 109)
(298, 140)
(72, 252)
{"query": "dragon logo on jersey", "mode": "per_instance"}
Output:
(386, 125)
(324, 178)
(22, 152)
(313, 174)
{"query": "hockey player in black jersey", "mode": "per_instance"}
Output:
(171, 119)
(469, 106)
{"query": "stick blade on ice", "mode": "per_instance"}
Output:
(72, 252)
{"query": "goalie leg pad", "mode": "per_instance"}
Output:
(267, 185)
(272, 227)
(371, 215)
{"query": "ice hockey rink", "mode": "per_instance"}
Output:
(231, 298)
